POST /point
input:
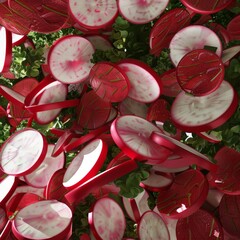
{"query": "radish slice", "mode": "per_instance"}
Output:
(141, 11)
(233, 28)
(210, 137)
(18, 39)
(221, 32)
(145, 85)
(198, 226)
(229, 53)
(99, 42)
(191, 38)
(6, 232)
(185, 196)
(132, 135)
(109, 82)
(152, 226)
(69, 59)
(107, 220)
(23, 152)
(86, 164)
(214, 197)
(3, 219)
(200, 72)
(95, 15)
(161, 168)
(48, 219)
(198, 114)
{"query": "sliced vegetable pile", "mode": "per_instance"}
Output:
(119, 119)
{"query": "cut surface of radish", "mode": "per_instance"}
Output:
(198, 114)
(191, 38)
(141, 11)
(233, 28)
(144, 81)
(18, 39)
(107, 220)
(210, 137)
(69, 59)
(23, 152)
(229, 53)
(3, 218)
(99, 42)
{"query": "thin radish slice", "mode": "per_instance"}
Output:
(69, 59)
(86, 164)
(200, 72)
(99, 42)
(210, 137)
(48, 219)
(214, 197)
(6, 232)
(143, 11)
(185, 196)
(191, 38)
(166, 27)
(152, 226)
(145, 85)
(106, 190)
(198, 226)
(229, 53)
(206, 7)
(199, 114)
(23, 152)
(18, 39)
(3, 218)
(132, 135)
(161, 168)
(233, 28)
(97, 15)
(109, 82)
(107, 220)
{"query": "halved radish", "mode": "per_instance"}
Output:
(107, 220)
(229, 53)
(233, 28)
(69, 59)
(99, 42)
(191, 38)
(141, 11)
(94, 15)
(198, 114)
(145, 85)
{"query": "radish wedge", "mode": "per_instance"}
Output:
(93, 15)
(185, 196)
(145, 85)
(191, 38)
(152, 226)
(200, 225)
(141, 11)
(200, 72)
(23, 152)
(69, 59)
(132, 135)
(48, 219)
(199, 114)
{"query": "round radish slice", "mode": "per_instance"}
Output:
(3, 218)
(200, 72)
(185, 196)
(86, 164)
(109, 82)
(210, 137)
(99, 42)
(191, 38)
(94, 15)
(152, 226)
(198, 114)
(141, 11)
(18, 39)
(69, 59)
(23, 152)
(198, 226)
(132, 135)
(48, 219)
(233, 28)
(107, 220)
(229, 53)
(40, 177)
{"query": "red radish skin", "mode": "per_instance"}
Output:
(233, 28)
(210, 137)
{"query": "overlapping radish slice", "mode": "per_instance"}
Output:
(233, 28)
(200, 225)
(185, 196)
(94, 15)
(109, 82)
(69, 59)
(198, 114)
(161, 168)
(23, 152)
(145, 85)
(166, 27)
(132, 135)
(3, 218)
(214, 197)
(18, 39)
(99, 42)
(48, 219)
(210, 137)
(152, 226)
(229, 53)
(191, 38)
(200, 72)
(107, 220)
(143, 11)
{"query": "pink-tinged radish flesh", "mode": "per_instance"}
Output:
(99, 42)
(3, 218)
(191, 38)
(161, 168)
(198, 114)
(141, 11)
(214, 197)
(18, 39)
(107, 220)
(69, 59)
(12, 96)
(152, 227)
